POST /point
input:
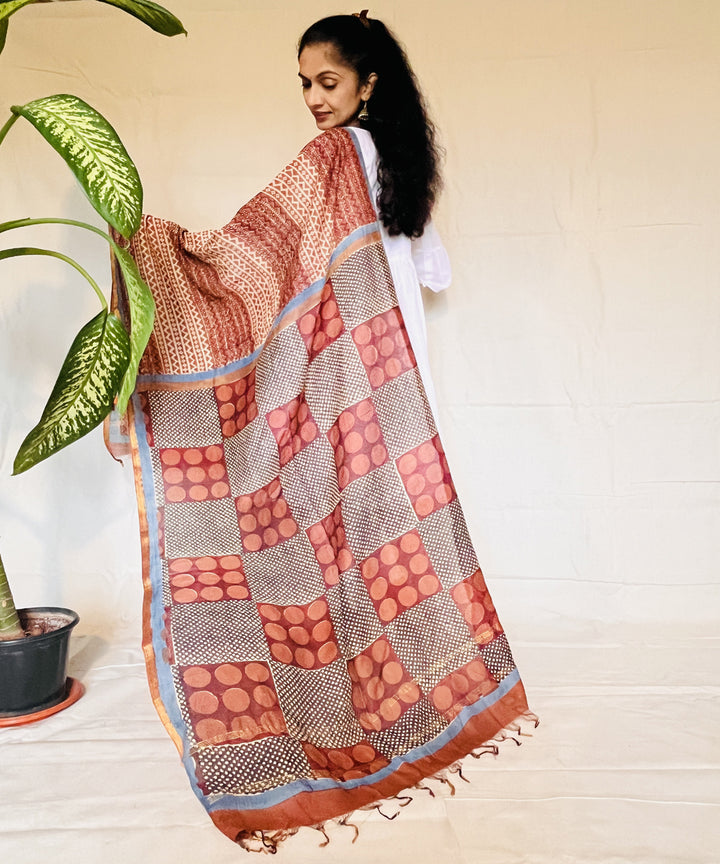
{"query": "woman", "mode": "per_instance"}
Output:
(318, 633)
(354, 73)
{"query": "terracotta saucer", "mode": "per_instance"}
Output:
(74, 690)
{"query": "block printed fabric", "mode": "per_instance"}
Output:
(317, 629)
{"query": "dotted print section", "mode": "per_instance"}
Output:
(382, 688)
(399, 576)
(330, 544)
(232, 701)
(473, 600)
(426, 477)
(384, 347)
(264, 518)
(207, 579)
(358, 442)
(293, 427)
(236, 404)
(147, 418)
(344, 763)
(300, 635)
(322, 324)
(462, 687)
(194, 474)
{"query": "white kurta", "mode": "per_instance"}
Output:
(421, 261)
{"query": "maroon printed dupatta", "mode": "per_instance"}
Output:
(317, 630)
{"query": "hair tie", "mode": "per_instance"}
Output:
(363, 17)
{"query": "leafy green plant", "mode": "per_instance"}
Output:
(101, 366)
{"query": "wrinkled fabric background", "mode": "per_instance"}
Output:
(576, 362)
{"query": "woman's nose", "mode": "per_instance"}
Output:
(313, 97)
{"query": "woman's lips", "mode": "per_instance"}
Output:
(321, 115)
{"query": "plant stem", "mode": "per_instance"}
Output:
(6, 128)
(23, 223)
(30, 250)
(10, 627)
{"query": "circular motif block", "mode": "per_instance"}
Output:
(473, 600)
(384, 347)
(236, 404)
(358, 442)
(426, 476)
(344, 763)
(231, 702)
(322, 325)
(461, 688)
(265, 518)
(301, 636)
(328, 539)
(399, 576)
(293, 427)
(207, 579)
(382, 688)
(194, 473)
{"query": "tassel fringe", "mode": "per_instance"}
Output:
(268, 842)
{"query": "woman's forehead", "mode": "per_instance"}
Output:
(322, 57)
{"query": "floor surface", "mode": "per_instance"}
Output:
(624, 768)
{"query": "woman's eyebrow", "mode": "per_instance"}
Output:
(320, 74)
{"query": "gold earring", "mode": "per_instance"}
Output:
(363, 115)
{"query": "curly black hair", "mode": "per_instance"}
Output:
(408, 155)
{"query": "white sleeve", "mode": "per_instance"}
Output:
(431, 261)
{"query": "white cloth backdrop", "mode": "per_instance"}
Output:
(577, 363)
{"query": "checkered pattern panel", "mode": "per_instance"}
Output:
(426, 477)
(317, 704)
(376, 510)
(336, 379)
(280, 370)
(429, 638)
(384, 347)
(354, 616)
(447, 540)
(236, 404)
(415, 727)
(205, 528)
(497, 658)
(200, 426)
(293, 428)
(345, 763)
(393, 401)
(362, 286)
(310, 484)
(286, 573)
(399, 575)
(220, 632)
(251, 456)
(248, 769)
(300, 635)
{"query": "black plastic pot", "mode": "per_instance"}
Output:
(33, 670)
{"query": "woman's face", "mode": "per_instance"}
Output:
(332, 90)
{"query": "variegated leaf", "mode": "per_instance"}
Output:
(152, 14)
(10, 627)
(142, 316)
(7, 7)
(3, 33)
(84, 392)
(95, 155)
